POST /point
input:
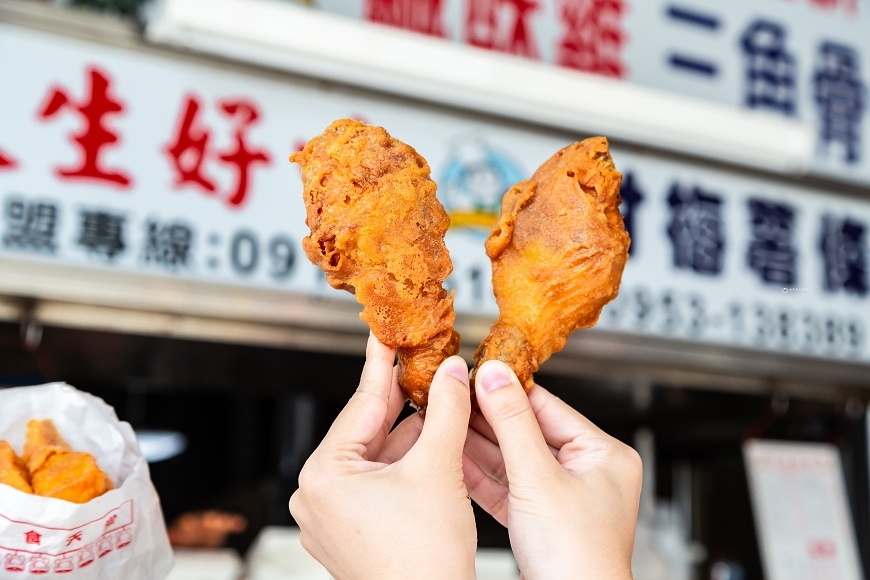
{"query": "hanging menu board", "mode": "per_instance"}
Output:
(801, 511)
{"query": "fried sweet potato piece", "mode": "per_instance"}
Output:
(41, 442)
(58, 471)
(557, 252)
(377, 230)
(71, 475)
(13, 471)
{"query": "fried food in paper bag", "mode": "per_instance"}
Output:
(13, 471)
(58, 471)
(42, 441)
(377, 230)
(557, 251)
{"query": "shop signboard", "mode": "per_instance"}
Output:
(122, 161)
(801, 511)
(807, 59)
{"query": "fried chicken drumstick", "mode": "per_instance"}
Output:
(377, 230)
(557, 255)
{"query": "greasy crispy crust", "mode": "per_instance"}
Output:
(13, 471)
(41, 442)
(377, 230)
(73, 476)
(58, 471)
(557, 252)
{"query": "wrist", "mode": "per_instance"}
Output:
(422, 565)
(426, 575)
(573, 569)
(427, 572)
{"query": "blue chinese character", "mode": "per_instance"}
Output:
(770, 69)
(844, 251)
(772, 254)
(840, 95)
(696, 230)
(168, 244)
(631, 198)
(30, 226)
(102, 233)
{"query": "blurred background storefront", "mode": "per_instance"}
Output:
(151, 227)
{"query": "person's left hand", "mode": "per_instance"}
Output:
(391, 506)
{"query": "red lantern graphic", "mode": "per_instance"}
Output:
(14, 563)
(63, 566)
(39, 565)
(104, 547)
(86, 557)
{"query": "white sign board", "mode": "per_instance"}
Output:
(804, 58)
(129, 162)
(801, 511)
(710, 261)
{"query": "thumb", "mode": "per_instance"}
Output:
(447, 414)
(504, 404)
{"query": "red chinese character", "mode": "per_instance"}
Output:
(76, 537)
(593, 37)
(6, 162)
(501, 25)
(111, 520)
(424, 16)
(819, 549)
(32, 537)
(95, 136)
(187, 154)
(245, 114)
(190, 149)
(848, 5)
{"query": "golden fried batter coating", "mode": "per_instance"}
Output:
(58, 471)
(557, 251)
(73, 476)
(13, 471)
(41, 442)
(377, 230)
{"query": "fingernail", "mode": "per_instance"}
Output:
(456, 368)
(493, 377)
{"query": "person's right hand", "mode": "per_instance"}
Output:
(567, 492)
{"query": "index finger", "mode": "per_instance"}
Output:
(560, 423)
(365, 414)
(478, 423)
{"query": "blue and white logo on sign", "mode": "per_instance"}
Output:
(473, 181)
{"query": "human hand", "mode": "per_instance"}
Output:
(391, 506)
(567, 492)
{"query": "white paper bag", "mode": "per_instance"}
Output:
(120, 535)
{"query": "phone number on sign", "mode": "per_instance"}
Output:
(751, 323)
